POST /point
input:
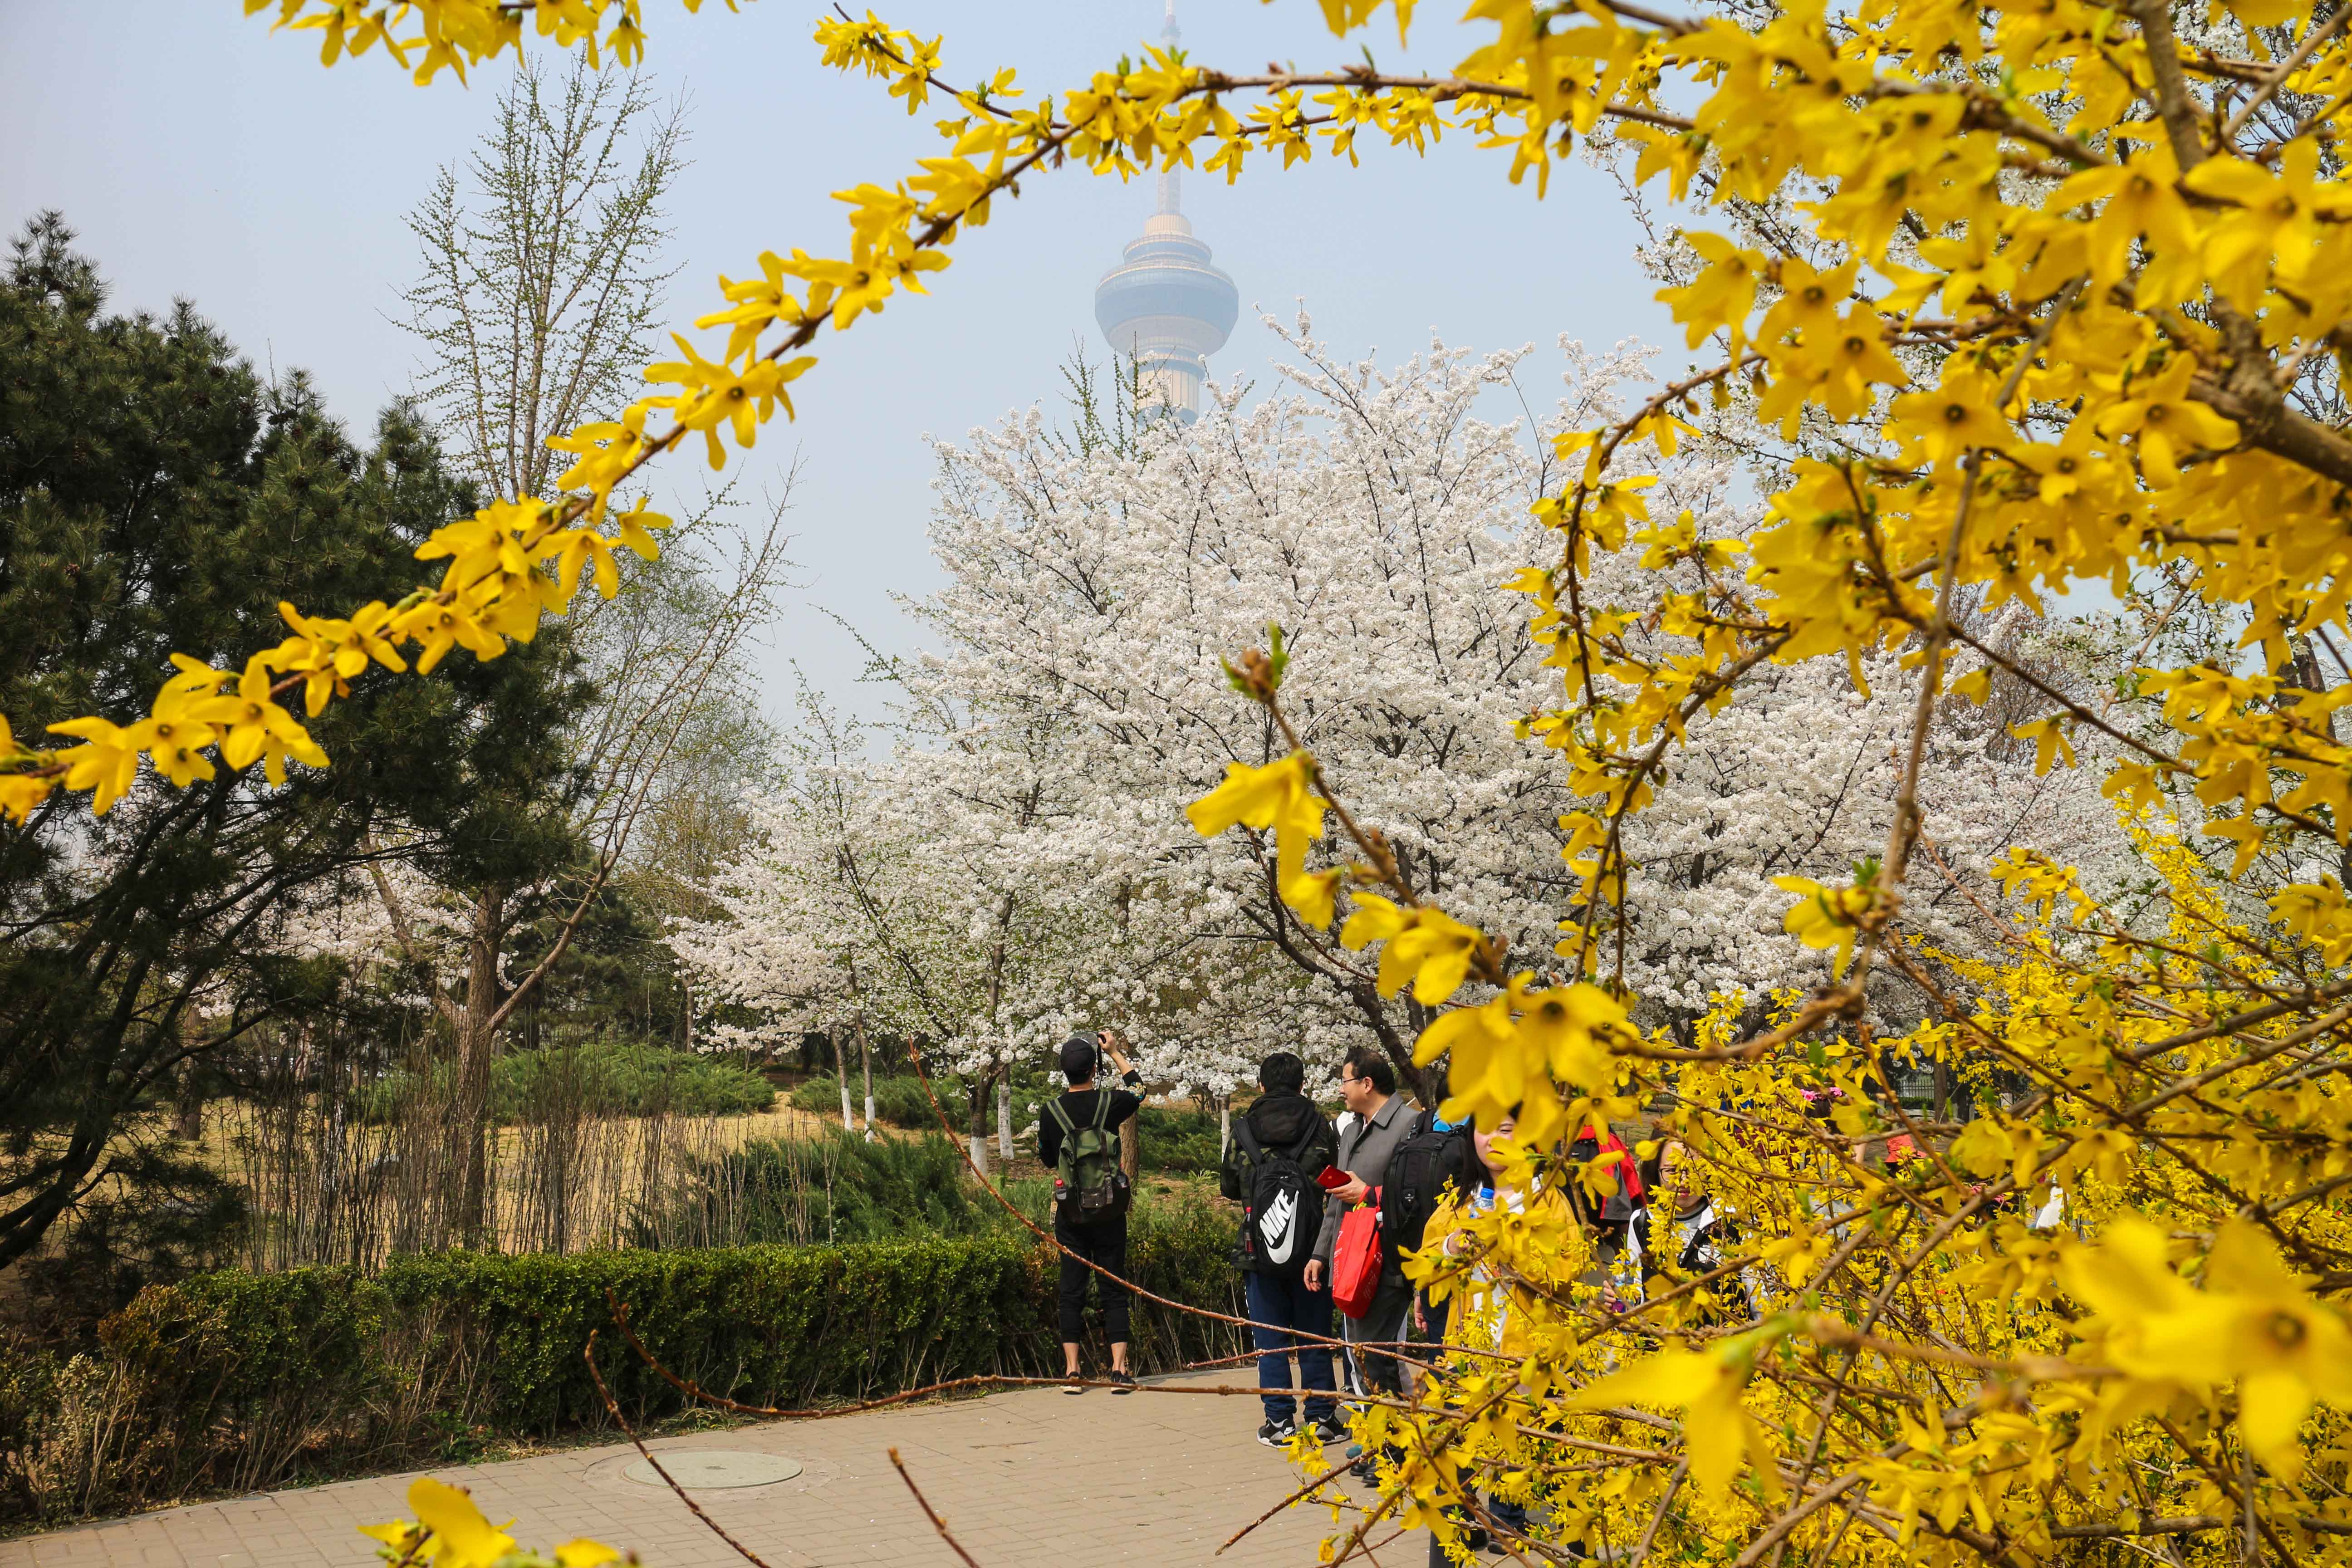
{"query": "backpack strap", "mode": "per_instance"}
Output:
(1307, 1143)
(1061, 1116)
(1247, 1138)
(1102, 1110)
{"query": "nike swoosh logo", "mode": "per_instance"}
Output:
(1275, 1222)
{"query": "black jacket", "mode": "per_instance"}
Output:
(1278, 1121)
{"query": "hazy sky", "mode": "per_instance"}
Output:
(200, 155)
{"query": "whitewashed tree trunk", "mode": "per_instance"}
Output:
(1004, 1113)
(866, 1066)
(841, 1071)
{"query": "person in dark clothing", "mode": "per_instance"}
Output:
(1283, 1125)
(1100, 1238)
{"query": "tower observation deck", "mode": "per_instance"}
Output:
(1163, 304)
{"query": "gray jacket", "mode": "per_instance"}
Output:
(1364, 1151)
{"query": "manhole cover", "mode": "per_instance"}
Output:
(715, 1468)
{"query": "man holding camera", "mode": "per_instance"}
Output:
(1078, 1140)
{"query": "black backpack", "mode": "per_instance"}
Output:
(1286, 1207)
(1424, 1164)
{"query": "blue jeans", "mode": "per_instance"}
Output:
(1279, 1309)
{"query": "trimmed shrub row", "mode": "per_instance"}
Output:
(239, 1381)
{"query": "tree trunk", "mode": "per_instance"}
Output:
(976, 1128)
(1130, 1147)
(1004, 1113)
(995, 1000)
(865, 1065)
(188, 1103)
(477, 1042)
(1225, 1125)
(841, 1071)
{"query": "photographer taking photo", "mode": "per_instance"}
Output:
(1078, 1140)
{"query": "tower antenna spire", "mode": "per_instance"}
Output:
(1170, 193)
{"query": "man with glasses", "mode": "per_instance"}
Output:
(1382, 1119)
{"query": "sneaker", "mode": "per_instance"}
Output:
(1122, 1383)
(1074, 1386)
(1276, 1433)
(1329, 1429)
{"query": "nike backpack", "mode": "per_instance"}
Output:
(1425, 1163)
(1286, 1206)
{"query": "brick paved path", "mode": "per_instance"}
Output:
(1027, 1477)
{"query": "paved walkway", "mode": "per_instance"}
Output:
(1027, 1477)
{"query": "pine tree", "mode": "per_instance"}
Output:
(156, 495)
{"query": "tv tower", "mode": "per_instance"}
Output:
(1163, 304)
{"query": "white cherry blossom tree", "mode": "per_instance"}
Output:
(1028, 866)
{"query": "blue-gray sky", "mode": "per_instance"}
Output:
(200, 155)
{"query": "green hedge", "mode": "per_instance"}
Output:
(239, 1381)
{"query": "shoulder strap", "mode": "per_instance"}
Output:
(1061, 1114)
(1247, 1138)
(1102, 1110)
(1307, 1143)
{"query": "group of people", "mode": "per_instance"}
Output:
(1297, 1173)
(1282, 1143)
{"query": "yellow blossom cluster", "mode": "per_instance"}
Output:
(450, 1532)
(509, 565)
(426, 36)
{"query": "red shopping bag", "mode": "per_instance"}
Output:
(1356, 1260)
